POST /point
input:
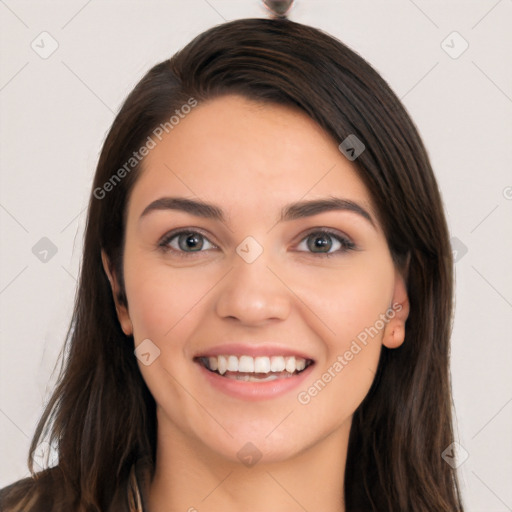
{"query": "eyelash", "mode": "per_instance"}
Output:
(347, 245)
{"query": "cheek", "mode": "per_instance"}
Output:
(164, 306)
(347, 297)
(159, 299)
(164, 302)
(351, 301)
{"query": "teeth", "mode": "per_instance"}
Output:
(249, 378)
(300, 364)
(232, 363)
(260, 364)
(222, 364)
(290, 364)
(246, 364)
(277, 364)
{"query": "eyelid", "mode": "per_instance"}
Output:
(331, 231)
(165, 240)
(346, 242)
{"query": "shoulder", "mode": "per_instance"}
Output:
(32, 494)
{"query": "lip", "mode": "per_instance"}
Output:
(253, 391)
(261, 349)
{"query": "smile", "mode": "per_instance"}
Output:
(255, 369)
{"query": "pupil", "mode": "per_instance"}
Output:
(192, 241)
(321, 242)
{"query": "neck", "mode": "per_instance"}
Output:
(189, 476)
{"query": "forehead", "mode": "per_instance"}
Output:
(247, 155)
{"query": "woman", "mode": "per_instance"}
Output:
(265, 299)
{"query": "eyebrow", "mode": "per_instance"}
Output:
(292, 211)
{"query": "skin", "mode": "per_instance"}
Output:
(252, 159)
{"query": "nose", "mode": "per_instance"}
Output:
(252, 293)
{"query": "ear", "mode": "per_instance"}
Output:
(122, 311)
(394, 332)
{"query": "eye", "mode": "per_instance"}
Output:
(185, 241)
(324, 242)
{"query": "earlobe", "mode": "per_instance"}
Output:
(395, 338)
(121, 310)
(394, 332)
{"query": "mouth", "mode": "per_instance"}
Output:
(254, 369)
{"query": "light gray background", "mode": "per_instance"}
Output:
(56, 112)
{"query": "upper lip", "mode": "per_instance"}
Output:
(261, 349)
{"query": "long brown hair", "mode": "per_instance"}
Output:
(102, 417)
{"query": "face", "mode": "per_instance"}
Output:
(290, 299)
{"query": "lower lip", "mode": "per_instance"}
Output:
(255, 390)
